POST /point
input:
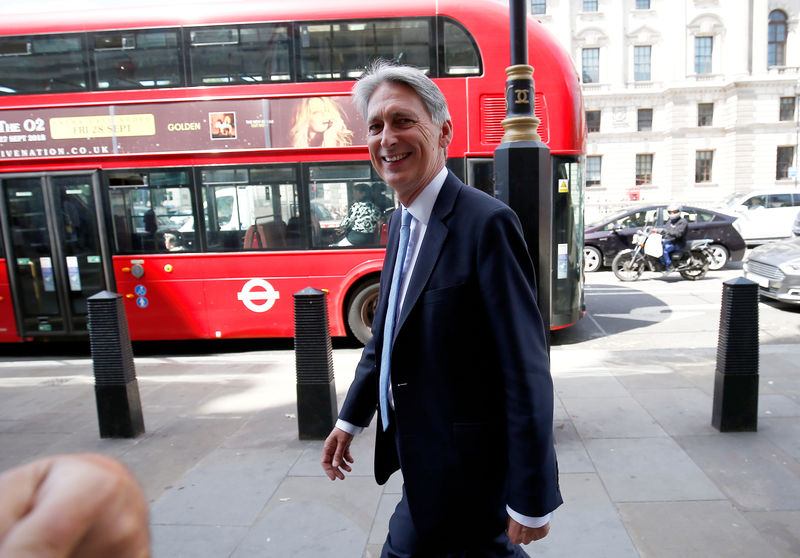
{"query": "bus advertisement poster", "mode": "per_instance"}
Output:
(173, 127)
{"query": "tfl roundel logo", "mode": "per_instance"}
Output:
(258, 295)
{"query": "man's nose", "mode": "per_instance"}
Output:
(388, 137)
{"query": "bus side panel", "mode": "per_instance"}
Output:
(8, 325)
(252, 295)
(167, 301)
(231, 295)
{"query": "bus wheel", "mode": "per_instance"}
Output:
(362, 311)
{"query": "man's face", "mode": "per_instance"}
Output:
(406, 148)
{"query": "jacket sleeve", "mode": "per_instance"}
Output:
(507, 278)
(361, 401)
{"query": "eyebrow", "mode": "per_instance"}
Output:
(395, 114)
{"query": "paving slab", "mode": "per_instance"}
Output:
(226, 487)
(611, 417)
(587, 524)
(649, 469)
(314, 517)
(679, 411)
(693, 530)
(780, 529)
(784, 432)
(753, 472)
(195, 541)
(771, 406)
(572, 456)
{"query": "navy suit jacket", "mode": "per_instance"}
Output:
(473, 422)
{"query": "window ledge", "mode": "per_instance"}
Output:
(784, 69)
(704, 77)
(593, 87)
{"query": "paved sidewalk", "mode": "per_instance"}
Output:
(643, 472)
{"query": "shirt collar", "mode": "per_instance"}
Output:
(422, 206)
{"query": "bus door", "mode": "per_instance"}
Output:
(53, 250)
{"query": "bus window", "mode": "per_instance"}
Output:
(251, 208)
(349, 206)
(342, 50)
(151, 212)
(240, 54)
(42, 64)
(134, 59)
(460, 54)
(480, 173)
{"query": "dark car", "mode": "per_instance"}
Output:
(611, 234)
(776, 268)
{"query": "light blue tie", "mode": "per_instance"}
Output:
(391, 313)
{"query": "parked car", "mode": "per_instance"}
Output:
(776, 269)
(764, 215)
(796, 225)
(608, 236)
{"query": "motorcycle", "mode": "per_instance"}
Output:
(692, 261)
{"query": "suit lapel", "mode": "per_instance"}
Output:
(432, 244)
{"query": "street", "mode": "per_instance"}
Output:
(663, 312)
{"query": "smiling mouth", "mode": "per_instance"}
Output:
(395, 158)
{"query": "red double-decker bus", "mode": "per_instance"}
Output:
(202, 161)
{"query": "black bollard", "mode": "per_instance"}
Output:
(316, 389)
(119, 409)
(736, 381)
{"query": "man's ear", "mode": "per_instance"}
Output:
(447, 134)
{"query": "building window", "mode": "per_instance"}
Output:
(589, 5)
(702, 54)
(593, 163)
(776, 39)
(642, 4)
(785, 157)
(641, 63)
(591, 65)
(787, 108)
(644, 168)
(702, 166)
(538, 6)
(705, 114)
(644, 119)
(593, 120)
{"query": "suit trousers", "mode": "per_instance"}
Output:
(404, 542)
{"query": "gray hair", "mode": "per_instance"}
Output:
(381, 71)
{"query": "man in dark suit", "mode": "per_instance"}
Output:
(466, 409)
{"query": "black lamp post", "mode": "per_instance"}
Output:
(522, 161)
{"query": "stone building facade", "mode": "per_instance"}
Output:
(686, 100)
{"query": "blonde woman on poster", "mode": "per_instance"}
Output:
(318, 122)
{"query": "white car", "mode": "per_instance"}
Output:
(776, 269)
(764, 215)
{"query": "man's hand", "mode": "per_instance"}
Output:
(519, 534)
(336, 454)
(86, 506)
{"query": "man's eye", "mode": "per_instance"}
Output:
(374, 128)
